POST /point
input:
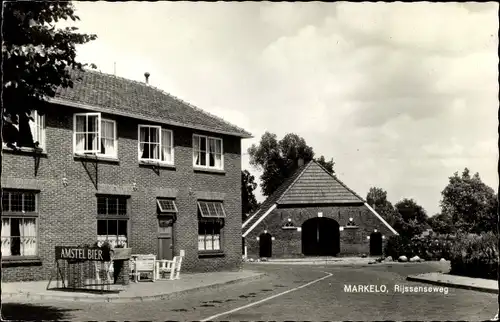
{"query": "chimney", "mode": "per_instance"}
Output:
(300, 162)
(146, 74)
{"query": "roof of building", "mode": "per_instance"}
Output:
(116, 95)
(309, 184)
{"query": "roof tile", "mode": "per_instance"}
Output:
(117, 94)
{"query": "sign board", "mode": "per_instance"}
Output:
(82, 253)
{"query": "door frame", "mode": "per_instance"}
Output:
(160, 235)
(268, 235)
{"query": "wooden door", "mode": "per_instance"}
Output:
(165, 239)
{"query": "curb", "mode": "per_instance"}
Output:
(460, 286)
(118, 299)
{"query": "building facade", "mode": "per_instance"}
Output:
(121, 161)
(314, 214)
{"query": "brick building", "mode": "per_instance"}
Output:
(314, 214)
(122, 161)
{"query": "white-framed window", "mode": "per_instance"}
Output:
(156, 144)
(19, 223)
(87, 132)
(14, 135)
(207, 152)
(211, 216)
(37, 127)
(93, 134)
(109, 141)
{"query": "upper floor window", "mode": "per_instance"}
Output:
(207, 152)
(155, 144)
(93, 134)
(19, 223)
(24, 130)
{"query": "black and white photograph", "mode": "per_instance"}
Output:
(249, 161)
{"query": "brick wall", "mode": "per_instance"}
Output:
(288, 243)
(67, 213)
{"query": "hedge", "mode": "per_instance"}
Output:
(469, 255)
(431, 247)
(475, 256)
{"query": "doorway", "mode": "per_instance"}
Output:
(376, 244)
(165, 238)
(265, 245)
(320, 237)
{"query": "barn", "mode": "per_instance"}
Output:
(313, 213)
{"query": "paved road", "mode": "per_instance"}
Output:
(323, 300)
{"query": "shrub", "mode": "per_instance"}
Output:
(431, 247)
(475, 255)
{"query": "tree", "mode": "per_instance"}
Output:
(377, 198)
(412, 219)
(442, 224)
(36, 58)
(471, 204)
(328, 165)
(248, 200)
(278, 159)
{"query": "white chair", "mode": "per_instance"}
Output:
(169, 266)
(132, 270)
(145, 264)
(108, 269)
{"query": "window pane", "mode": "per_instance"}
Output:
(28, 240)
(112, 228)
(202, 158)
(216, 242)
(213, 210)
(80, 142)
(15, 233)
(5, 200)
(101, 206)
(211, 145)
(29, 202)
(16, 202)
(218, 146)
(6, 240)
(144, 134)
(91, 141)
(122, 227)
(154, 151)
(92, 125)
(102, 227)
(80, 123)
(112, 206)
(203, 144)
(122, 206)
(154, 135)
(166, 146)
(218, 161)
(201, 242)
(211, 160)
(145, 150)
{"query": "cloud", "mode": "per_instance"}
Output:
(401, 95)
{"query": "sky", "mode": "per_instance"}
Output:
(400, 95)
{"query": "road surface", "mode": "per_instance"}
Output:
(314, 293)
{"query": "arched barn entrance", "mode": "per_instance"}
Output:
(376, 244)
(320, 237)
(265, 245)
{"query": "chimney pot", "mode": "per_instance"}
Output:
(146, 74)
(300, 162)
